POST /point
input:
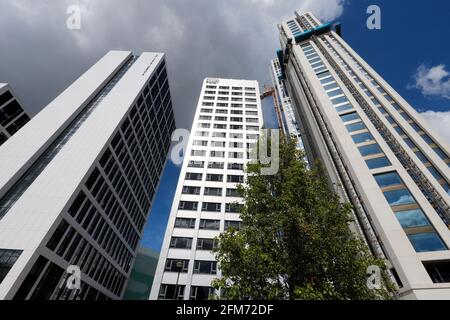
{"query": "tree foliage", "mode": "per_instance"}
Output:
(295, 242)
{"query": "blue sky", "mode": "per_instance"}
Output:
(412, 34)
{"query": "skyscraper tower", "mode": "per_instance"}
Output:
(12, 115)
(391, 165)
(77, 182)
(226, 126)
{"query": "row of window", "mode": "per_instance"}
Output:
(369, 149)
(226, 111)
(220, 98)
(216, 165)
(394, 124)
(176, 292)
(234, 107)
(223, 135)
(205, 224)
(209, 206)
(225, 126)
(182, 266)
(214, 177)
(418, 228)
(7, 259)
(227, 93)
(232, 88)
(210, 191)
(218, 154)
(231, 119)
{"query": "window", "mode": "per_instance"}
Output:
(335, 93)
(236, 145)
(350, 117)
(330, 86)
(235, 155)
(370, 150)
(421, 156)
(181, 243)
(237, 225)
(236, 166)
(362, 137)
(196, 164)
(214, 177)
(206, 224)
(176, 265)
(378, 163)
(215, 165)
(355, 127)
(235, 179)
(202, 143)
(435, 173)
(201, 293)
(198, 153)
(388, 179)
(188, 205)
(7, 259)
(191, 190)
(233, 207)
(399, 197)
(425, 242)
(440, 153)
(412, 218)
(211, 206)
(217, 154)
(219, 134)
(213, 191)
(339, 100)
(171, 292)
(205, 267)
(206, 244)
(220, 144)
(439, 271)
(194, 176)
(344, 108)
(231, 192)
(185, 223)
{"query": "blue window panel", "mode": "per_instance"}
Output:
(370, 150)
(435, 173)
(427, 139)
(388, 179)
(425, 242)
(350, 117)
(405, 116)
(376, 101)
(330, 86)
(390, 119)
(318, 64)
(400, 131)
(396, 106)
(378, 163)
(335, 93)
(421, 157)
(314, 59)
(362, 137)
(319, 70)
(339, 100)
(399, 197)
(440, 153)
(323, 74)
(355, 127)
(416, 127)
(382, 109)
(345, 107)
(446, 188)
(412, 218)
(410, 143)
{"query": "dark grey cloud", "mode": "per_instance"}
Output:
(40, 57)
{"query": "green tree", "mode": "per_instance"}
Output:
(295, 242)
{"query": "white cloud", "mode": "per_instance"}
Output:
(434, 81)
(439, 122)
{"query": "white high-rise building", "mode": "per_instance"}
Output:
(12, 115)
(77, 182)
(391, 165)
(226, 125)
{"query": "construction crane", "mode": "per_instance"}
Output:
(269, 91)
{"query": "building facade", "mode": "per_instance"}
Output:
(391, 165)
(226, 126)
(77, 182)
(12, 115)
(287, 121)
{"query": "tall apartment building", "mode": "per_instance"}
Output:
(392, 166)
(287, 121)
(12, 115)
(226, 125)
(77, 182)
